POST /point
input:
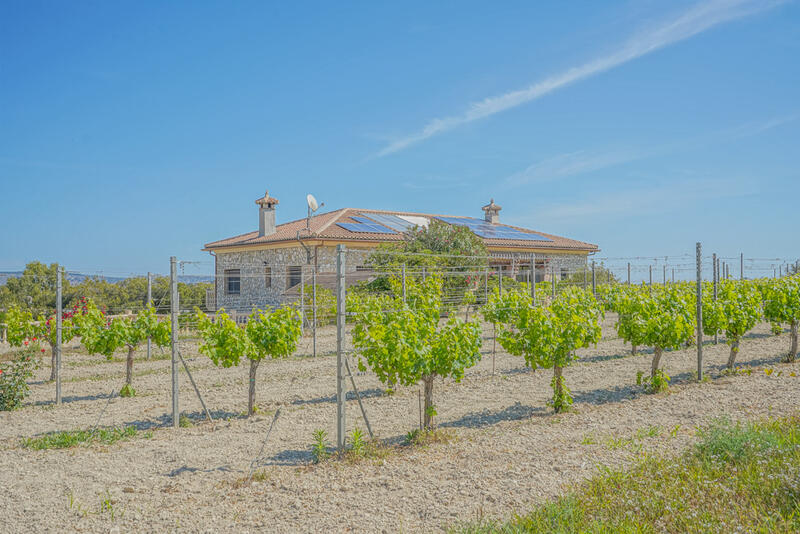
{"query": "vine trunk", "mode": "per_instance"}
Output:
(251, 396)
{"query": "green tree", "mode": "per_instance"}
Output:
(22, 330)
(34, 289)
(662, 319)
(402, 340)
(782, 305)
(439, 248)
(101, 336)
(547, 337)
(735, 312)
(271, 334)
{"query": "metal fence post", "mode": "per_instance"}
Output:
(585, 276)
(553, 277)
(699, 311)
(314, 304)
(485, 285)
(715, 278)
(741, 266)
(340, 334)
(57, 347)
(149, 303)
(533, 279)
(500, 279)
(629, 273)
(665, 275)
(673, 275)
(594, 280)
(174, 307)
(302, 300)
(404, 282)
(651, 277)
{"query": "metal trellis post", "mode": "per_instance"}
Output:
(404, 282)
(629, 273)
(533, 279)
(57, 347)
(715, 278)
(340, 334)
(149, 303)
(302, 300)
(741, 266)
(594, 280)
(174, 307)
(699, 298)
(314, 304)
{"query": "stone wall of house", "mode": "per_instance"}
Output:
(256, 293)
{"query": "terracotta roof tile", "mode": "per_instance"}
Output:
(323, 226)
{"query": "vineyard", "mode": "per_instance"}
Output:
(435, 392)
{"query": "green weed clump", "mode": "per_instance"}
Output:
(73, 438)
(738, 478)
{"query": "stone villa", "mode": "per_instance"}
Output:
(267, 266)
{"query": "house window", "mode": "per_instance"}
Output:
(294, 274)
(267, 276)
(362, 268)
(564, 273)
(233, 281)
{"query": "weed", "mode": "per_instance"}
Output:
(319, 449)
(72, 438)
(127, 391)
(588, 439)
(653, 384)
(185, 422)
(652, 431)
(357, 442)
(739, 478)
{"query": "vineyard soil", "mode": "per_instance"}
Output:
(509, 450)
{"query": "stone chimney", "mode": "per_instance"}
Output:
(491, 212)
(266, 214)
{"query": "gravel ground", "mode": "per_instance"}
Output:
(508, 450)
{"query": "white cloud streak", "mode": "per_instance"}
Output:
(697, 19)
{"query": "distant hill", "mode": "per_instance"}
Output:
(75, 278)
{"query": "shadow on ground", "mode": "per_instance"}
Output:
(365, 394)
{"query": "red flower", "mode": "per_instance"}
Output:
(26, 343)
(42, 350)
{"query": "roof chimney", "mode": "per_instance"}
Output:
(266, 214)
(491, 212)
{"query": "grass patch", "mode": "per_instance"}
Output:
(73, 438)
(738, 478)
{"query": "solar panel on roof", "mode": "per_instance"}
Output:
(493, 231)
(361, 228)
(392, 221)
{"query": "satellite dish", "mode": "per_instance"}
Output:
(312, 202)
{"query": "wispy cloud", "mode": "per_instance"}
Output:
(570, 164)
(562, 166)
(697, 19)
(658, 199)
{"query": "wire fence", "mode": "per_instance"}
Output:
(320, 293)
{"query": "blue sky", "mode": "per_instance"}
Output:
(130, 132)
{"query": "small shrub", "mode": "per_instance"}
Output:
(319, 449)
(13, 378)
(357, 442)
(657, 383)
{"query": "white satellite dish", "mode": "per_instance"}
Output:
(312, 202)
